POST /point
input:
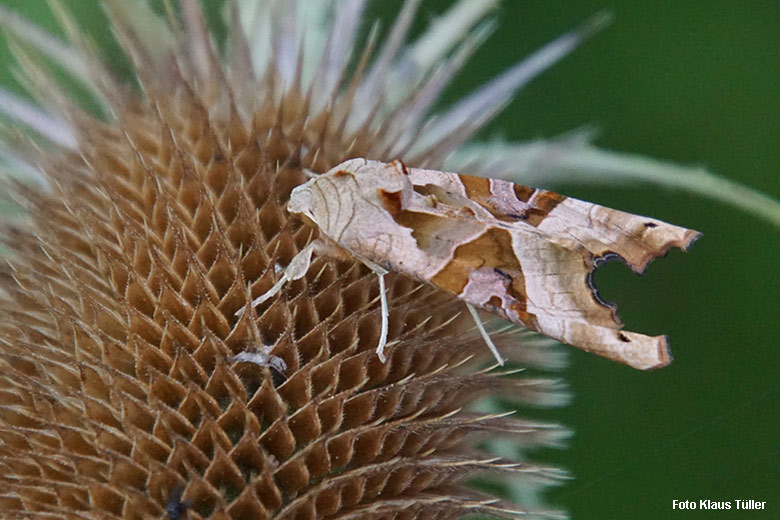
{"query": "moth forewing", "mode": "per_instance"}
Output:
(524, 254)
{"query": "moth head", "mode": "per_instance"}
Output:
(300, 201)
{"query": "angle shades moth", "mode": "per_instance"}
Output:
(524, 254)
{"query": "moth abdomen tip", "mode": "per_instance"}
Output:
(663, 354)
(692, 237)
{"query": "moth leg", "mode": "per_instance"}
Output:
(380, 348)
(295, 270)
(483, 332)
(380, 272)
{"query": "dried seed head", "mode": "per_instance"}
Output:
(130, 389)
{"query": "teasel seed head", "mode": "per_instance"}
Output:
(129, 387)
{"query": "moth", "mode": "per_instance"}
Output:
(524, 254)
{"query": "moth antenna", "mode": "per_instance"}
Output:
(311, 174)
(485, 336)
(385, 316)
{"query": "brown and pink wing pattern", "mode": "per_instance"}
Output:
(530, 255)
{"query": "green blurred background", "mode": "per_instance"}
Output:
(696, 83)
